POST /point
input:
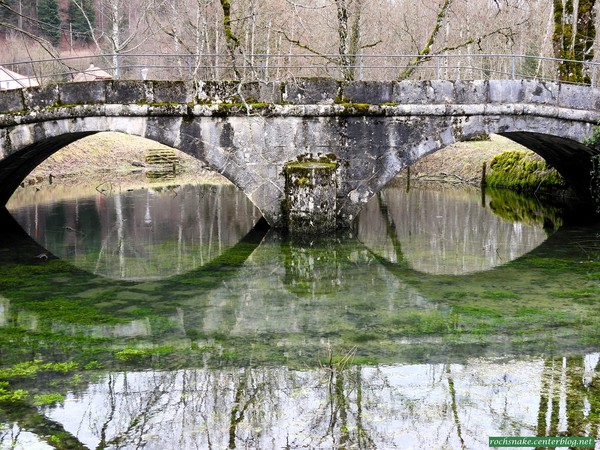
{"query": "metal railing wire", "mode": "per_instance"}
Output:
(278, 67)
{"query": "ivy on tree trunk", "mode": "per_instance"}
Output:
(231, 40)
(573, 38)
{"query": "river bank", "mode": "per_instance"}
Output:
(462, 163)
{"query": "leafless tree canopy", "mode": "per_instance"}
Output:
(225, 38)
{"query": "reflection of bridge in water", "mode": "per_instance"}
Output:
(268, 286)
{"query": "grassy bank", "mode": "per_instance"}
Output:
(461, 162)
(102, 156)
(508, 165)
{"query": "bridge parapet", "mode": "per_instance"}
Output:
(298, 92)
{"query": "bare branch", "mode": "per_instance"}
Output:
(372, 44)
(426, 50)
(307, 47)
(422, 58)
(44, 44)
(298, 5)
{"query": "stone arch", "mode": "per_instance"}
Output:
(31, 144)
(556, 140)
(15, 167)
(570, 158)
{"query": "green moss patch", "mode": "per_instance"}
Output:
(523, 171)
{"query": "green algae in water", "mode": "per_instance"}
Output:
(320, 271)
(277, 302)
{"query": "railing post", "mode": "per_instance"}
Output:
(593, 74)
(437, 67)
(514, 67)
(360, 66)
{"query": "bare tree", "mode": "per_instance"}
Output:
(461, 37)
(23, 25)
(349, 37)
(128, 27)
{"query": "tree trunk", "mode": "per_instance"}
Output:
(348, 37)
(231, 40)
(343, 47)
(573, 38)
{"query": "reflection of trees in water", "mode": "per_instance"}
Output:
(337, 405)
(143, 234)
(454, 405)
(339, 422)
(183, 409)
(445, 232)
(570, 397)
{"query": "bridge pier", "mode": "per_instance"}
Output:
(309, 206)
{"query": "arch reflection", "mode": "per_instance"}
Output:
(443, 230)
(141, 234)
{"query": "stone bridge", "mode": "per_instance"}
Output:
(249, 131)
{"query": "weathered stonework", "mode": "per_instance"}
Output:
(309, 206)
(248, 132)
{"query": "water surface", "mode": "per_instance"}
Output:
(441, 319)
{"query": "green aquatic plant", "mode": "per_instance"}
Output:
(499, 295)
(421, 323)
(48, 399)
(30, 369)
(93, 365)
(133, 354)
(337, 362)
(11, 396)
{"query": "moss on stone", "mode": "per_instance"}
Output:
(230, 108)
(524, 172)
(164, 104)
(319, 158)
(310, 180)
(303, 166)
